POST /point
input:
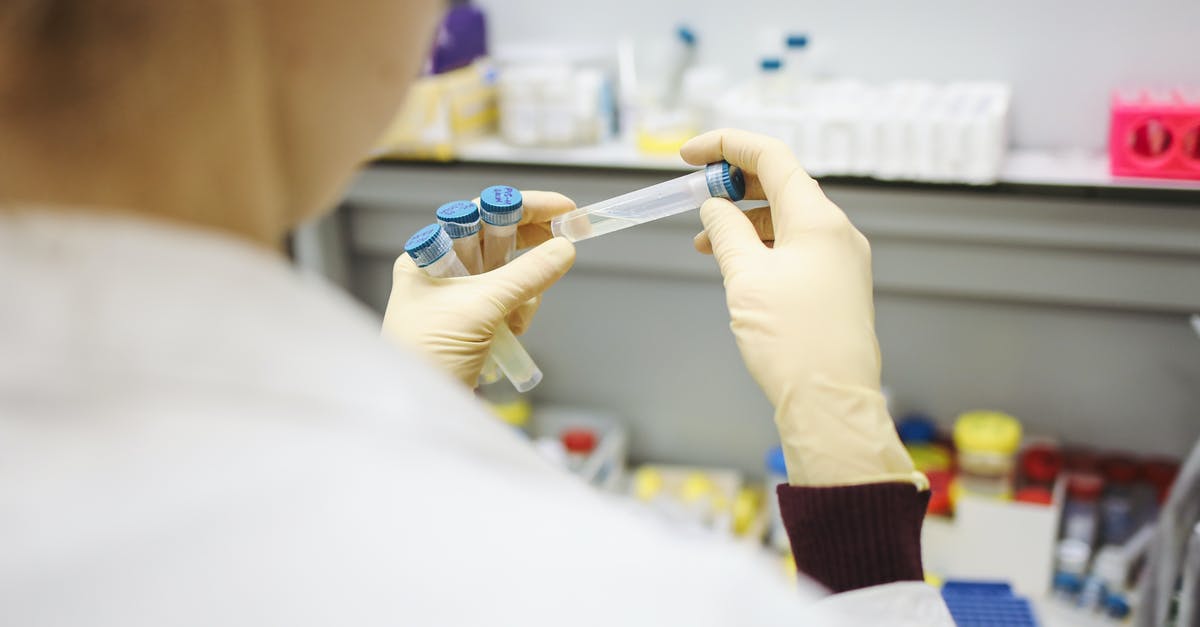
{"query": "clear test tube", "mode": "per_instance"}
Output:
(500, 206)
(433, 252)
(686, 193)
(460, 219)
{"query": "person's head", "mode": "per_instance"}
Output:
(245, 115)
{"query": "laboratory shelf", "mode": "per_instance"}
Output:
(1053, 171)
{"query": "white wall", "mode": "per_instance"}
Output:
(1062, 56)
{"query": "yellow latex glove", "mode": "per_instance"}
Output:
(451, 321)
(803, 314)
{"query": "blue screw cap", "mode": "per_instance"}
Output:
(774, 461)
(686, 35)
(500, 205)
(428, 245)
(917, 429)
(770, 64)
(725, 181)
(459, 218)
(796, 41)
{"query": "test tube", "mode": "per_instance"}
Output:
(460, 220)
(433, 252)
(500, 206)
(685, 193)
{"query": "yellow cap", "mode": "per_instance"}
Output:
(789, 566)
(664, 142)
(647, 483)
(987, 432)
(927, 457)
(746, 506)
(696, 486)
(515, 413)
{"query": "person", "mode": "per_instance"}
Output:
(193, 433)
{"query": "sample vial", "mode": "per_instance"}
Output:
(987, 443)
(579, 443)
(500, 207)
(433, 252)
(685, 193)
(460, 219)
(1080, 517)
(771, 82)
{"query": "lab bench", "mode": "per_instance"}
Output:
(1062, 299)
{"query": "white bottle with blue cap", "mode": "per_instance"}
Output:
(771, 83)
(500, 206)
(797, 70)
(433, 252)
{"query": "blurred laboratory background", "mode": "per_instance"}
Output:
(1028, 174)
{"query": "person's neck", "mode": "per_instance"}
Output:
(213, 176)
(180, 138)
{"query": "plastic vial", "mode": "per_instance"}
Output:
(771, 87)
(799, 75)
(795, 49)
(433, 252)
(579, 444)
(987, 443)
(1081, 511)
(682, 57)
(685, 193)
(500, 206)
(460, 219)
(1071, 559)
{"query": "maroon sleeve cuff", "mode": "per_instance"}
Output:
(849, 537)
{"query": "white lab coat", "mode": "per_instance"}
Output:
(192, 434)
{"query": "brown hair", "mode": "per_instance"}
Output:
(54, 53)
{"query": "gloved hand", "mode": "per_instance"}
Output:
(803, 314)
(451, 321)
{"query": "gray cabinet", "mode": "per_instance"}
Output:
(1065, 307)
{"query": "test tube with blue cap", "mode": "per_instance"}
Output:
(500, 206)
(460, 219)
(433, 252)
(678, 195)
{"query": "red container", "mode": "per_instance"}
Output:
(1155, 134)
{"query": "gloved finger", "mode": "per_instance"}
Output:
(538, 209)
(521, 317)
(760, 217)
(405, 266)
(730, 231)
(542, 206)
(797, 202)
(510, 285)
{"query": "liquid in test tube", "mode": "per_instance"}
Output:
(678, 195)
(460, 219)
(433, 252)
(501, 208)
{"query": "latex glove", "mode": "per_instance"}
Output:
(803, 314)
(451, 321)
